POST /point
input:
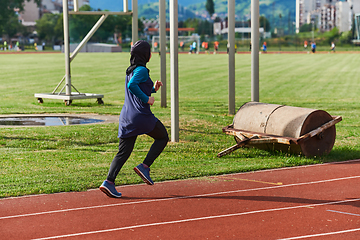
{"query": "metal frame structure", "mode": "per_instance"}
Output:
(231, 55)
(174, 71)
(185, 39)
(357, 28)
(68, 96)
(162, 32)
(255, 39)
(174, 74)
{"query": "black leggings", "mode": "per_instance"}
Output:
(126, 146)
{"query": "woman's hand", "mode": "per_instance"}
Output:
(151, 100)
(158, 84)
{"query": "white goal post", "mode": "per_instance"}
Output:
(185, 39)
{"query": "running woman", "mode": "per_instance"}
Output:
(136, 119)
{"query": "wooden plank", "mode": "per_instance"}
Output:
(236, 146)
(229, 130)
(319, 129)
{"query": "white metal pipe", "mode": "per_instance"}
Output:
(88, 36)
(67, 47)
(126, 5)
(76, 5)
(53, 92)
(162, 32)
(174, 74)
(135, 26)
(231, 42)
(255, 50)
(100, 13)
(297, 16)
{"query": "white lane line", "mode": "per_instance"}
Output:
(353, 214)
(322, 234)
(231, 174)
(176, 198)
(197, 219)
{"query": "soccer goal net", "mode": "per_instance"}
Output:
(185, 43)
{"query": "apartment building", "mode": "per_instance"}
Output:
(32, 12)
(327, 17)
(326, 14)
(346, 10)
(343, 16)
(318, 12)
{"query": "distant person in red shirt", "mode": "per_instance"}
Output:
(216, 46)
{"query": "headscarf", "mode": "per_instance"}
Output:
(140, 55)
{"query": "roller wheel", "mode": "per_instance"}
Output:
(321, 143)
(40, 100)
(100, 101)
(68, 102)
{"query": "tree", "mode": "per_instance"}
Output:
(307, 27)
(217, 19)
(210, 7)
(49, 28)
(7, 10)
(264, 23)
(80, 25)
(12, 27)
(202, 27)
(346, 37)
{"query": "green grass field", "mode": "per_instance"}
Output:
(75, 158)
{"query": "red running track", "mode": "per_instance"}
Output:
(311, 202)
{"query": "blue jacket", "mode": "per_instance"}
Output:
(136, 117)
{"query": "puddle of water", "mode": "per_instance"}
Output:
(46, 121)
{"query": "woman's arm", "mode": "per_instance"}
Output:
(140, 75)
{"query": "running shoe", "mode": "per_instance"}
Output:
(144, 173)
(109, 189)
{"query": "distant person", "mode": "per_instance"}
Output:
(194, 46)
(136, 119)
(228, 47)
(5, 45)
(313, 47)
(156, 47)
(216, 46)
(332, 47)
(182, 45)
(305, 44)
(206, 46)
(264, 47)
(190, 49)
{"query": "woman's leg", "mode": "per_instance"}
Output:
(126, 146)
(161, 139)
